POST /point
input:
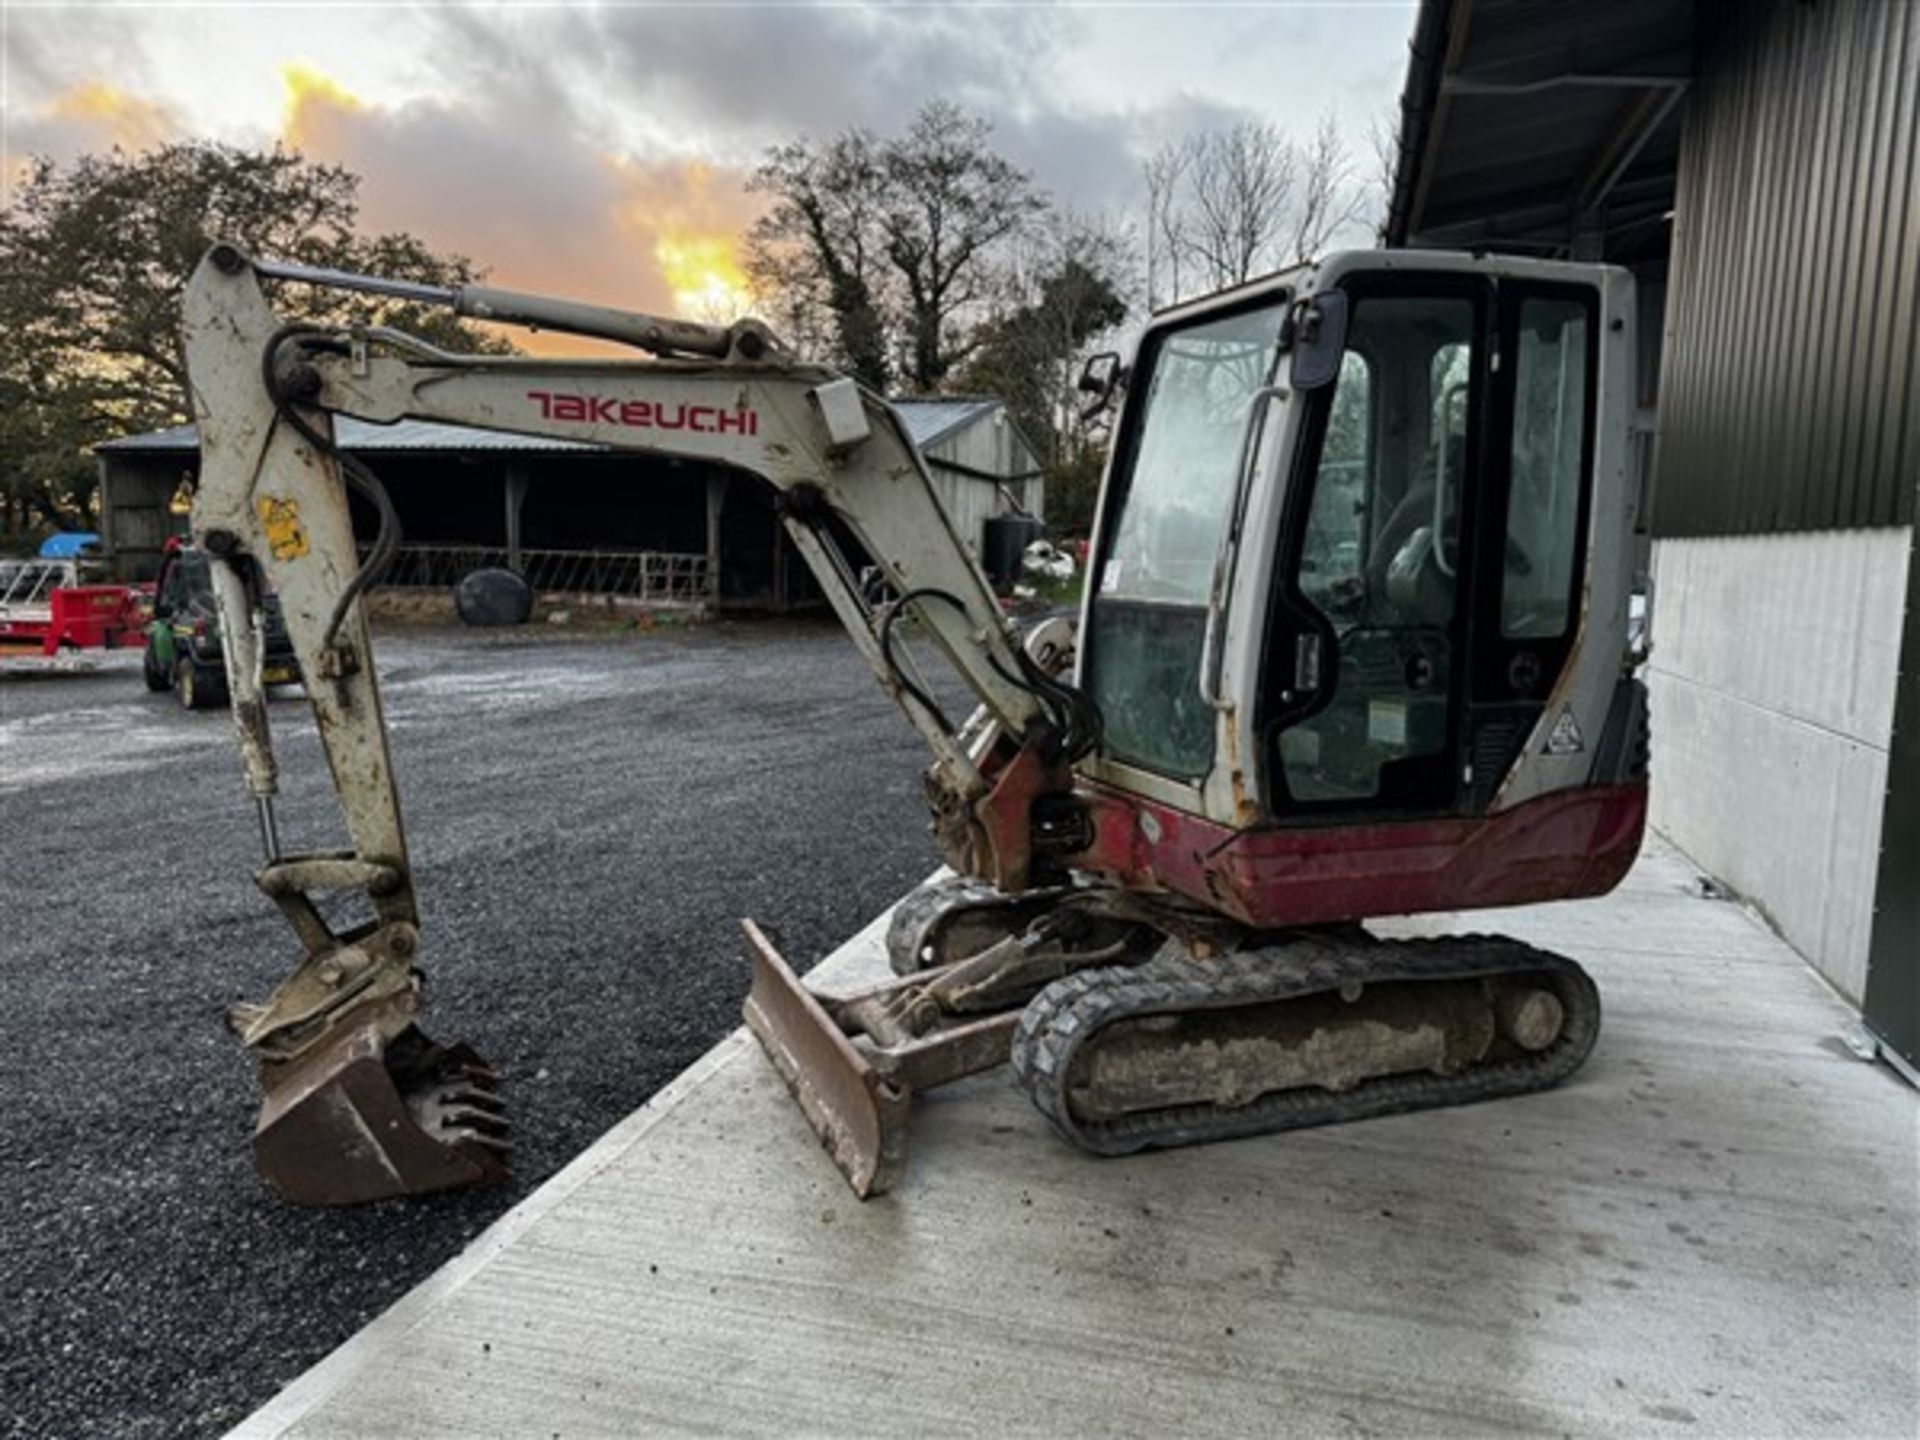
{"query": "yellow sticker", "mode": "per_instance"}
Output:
(286, 536)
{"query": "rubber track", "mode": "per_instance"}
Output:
(922, 911)
(1073, 1010)
(918, 911)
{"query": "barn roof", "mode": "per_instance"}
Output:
(361, 435)
(929, 421)
(1542, 129)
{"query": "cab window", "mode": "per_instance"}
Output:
(1148, 613)
(1549, 449)
(1379, 555)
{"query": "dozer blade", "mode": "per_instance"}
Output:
(859, 1115)
(359, 1118)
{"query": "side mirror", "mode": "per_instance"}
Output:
(1317, 331)
(1100, 377)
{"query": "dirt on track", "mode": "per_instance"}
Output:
(589, 819)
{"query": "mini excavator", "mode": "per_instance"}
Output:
(1354, 644)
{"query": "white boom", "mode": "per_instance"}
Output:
(271, 510)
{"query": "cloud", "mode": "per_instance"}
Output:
(92, 116)
(602, 151)
(314, 101)
(540, 208)
(42, 45)
(761, 73)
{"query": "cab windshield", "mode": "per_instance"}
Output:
(1147, 618)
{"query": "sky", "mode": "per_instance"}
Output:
(601, 151)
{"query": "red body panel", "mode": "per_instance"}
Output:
(1559, 847)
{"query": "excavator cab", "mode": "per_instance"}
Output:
(1362, 566)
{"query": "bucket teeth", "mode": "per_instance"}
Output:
(362, 1118)
(483, 1101)
(483, 1123)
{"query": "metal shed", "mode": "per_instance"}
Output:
(982, 465)
(576, 516)
(1757, 164)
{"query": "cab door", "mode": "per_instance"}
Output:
(1537, 487)
(1180, 464)
(1427, 594)
(1367, 672)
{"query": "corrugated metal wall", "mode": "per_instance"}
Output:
(1791, 393)
(993, 446)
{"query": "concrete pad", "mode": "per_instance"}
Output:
(1711, 1229)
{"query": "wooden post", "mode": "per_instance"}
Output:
(516, 495)
(716, 501)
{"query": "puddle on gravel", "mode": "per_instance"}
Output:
(97, 740)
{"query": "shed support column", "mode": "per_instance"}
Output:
(716, 501)
(516, 494)
(108, 522)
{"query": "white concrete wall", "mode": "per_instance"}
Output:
(1772, 681)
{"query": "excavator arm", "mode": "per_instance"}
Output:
(359, 1103)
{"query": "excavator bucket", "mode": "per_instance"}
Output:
(859, 1115)
(360, 1118)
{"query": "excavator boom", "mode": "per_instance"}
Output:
(359, 1103)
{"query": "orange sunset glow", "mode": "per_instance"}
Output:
(310, 93)
(704, 276)
(132, 122)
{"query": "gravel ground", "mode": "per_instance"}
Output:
(589, 819)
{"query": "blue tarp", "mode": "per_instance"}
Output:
(67, 544)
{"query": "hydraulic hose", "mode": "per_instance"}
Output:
(386, 540)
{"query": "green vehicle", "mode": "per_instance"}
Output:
(183, 639)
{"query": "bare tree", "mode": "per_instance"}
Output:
(1239, 184)
(1226, 205)
(891, 247)
(950, 202)
(1383, 143)
(1329, 199)
(1166, 236)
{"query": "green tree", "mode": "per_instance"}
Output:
(1030, 355)
(876, 248)
(95, 255)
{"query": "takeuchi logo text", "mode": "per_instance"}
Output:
(645, 414)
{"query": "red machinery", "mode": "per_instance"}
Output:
(45, 609)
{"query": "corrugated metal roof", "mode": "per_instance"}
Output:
(928, 421)
(364, 436)
(1525, 124)
(1790, 388)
